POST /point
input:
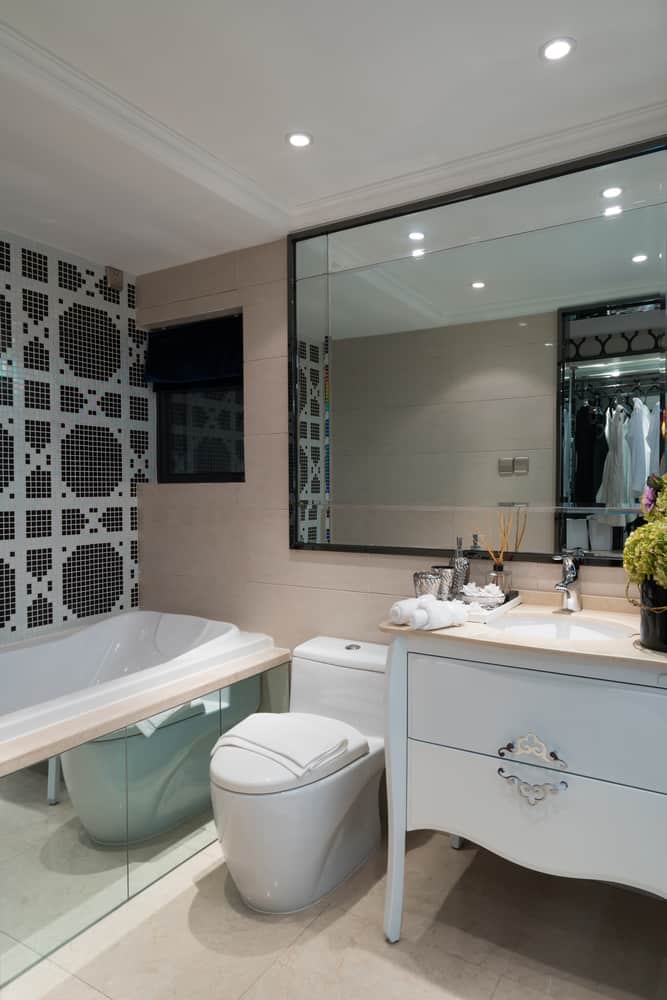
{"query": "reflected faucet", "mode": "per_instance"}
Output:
(569, 586)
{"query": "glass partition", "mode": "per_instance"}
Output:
(82, 833)
(444, 356)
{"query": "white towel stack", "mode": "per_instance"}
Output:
(401, 610)
(299, 742)
(440, 614)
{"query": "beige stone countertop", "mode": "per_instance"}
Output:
(47, 741)
(620, 649)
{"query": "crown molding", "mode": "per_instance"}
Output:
(57, 80)
(613, 131)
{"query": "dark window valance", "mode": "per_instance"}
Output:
(206, 352)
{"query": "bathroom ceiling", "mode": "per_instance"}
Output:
(146, 134)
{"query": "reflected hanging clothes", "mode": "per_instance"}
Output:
(615, 486)
(640, 454)
(590, 445)
(653, 439)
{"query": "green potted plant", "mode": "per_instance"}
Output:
(645, 562)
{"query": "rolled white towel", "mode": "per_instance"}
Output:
(401, 610)
(443, 614)
(418, 618)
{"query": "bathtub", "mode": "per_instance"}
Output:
(165, 770)
(163, 757)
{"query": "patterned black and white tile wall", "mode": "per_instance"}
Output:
(77, 436)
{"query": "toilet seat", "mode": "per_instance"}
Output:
(249, 771)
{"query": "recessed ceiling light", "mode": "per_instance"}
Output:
(557, 49)
(612, 192)
(522, 323)
(639, 258)
(419, 252)
(478, 284)
(299, 139)
(416, 236)
(548, 343)
(613, 210)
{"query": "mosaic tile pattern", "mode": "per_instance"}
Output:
(77, 435)
(312, 402)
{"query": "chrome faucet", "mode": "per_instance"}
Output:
(569, 586)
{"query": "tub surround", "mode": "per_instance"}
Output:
(23, 751)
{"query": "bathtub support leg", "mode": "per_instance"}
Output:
(53, 781)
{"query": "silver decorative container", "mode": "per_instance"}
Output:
(426, 582)
(446, 574)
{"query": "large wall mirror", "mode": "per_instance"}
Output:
(501, 355)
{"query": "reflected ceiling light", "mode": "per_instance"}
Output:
(613, 210)
(416, 236)
(419, 252)
(612, 192)
(548, 343)
(299, 139)
(557, 49)
(523, 323)
(639, 258)
(615, 373)
(478, 284)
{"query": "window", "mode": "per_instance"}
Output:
(197, 372)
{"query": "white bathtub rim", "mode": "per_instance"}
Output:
(49, 740)
(116, 689)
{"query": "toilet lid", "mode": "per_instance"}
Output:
(270, 752)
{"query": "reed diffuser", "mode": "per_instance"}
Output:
(508, 526)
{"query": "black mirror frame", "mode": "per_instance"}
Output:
(652, 145)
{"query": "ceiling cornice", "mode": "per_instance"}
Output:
(44, 72)
(613, 131)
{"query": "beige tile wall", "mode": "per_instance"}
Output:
(222, 550)
(420, 419)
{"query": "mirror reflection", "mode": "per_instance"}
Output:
(503, 352)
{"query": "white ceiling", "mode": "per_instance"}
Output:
(524, 274)
(152, 132)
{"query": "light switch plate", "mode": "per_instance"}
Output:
(505, 466)
(521, 466)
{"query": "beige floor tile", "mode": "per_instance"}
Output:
(47, 982)
(342, 956)
(509, 989)
(14, 957)
(432, 871)
(182, 939)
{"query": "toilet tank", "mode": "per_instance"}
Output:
(341, 679)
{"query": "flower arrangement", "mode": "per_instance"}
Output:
(654, 498)
(645, 551)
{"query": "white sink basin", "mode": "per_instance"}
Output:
(553, 626)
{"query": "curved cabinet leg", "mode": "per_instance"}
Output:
(396, 756)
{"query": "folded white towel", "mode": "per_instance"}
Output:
(443, 614)
(401, 610)
(299, 742)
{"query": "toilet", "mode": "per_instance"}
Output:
(287, 839)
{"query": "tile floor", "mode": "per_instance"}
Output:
(54, 880)
(475, 928)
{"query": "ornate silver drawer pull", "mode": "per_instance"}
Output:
(532, 745)
(533, 793)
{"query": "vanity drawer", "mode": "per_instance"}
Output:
(601, 729)
(591, 829)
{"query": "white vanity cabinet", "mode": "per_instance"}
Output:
(554, 760)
